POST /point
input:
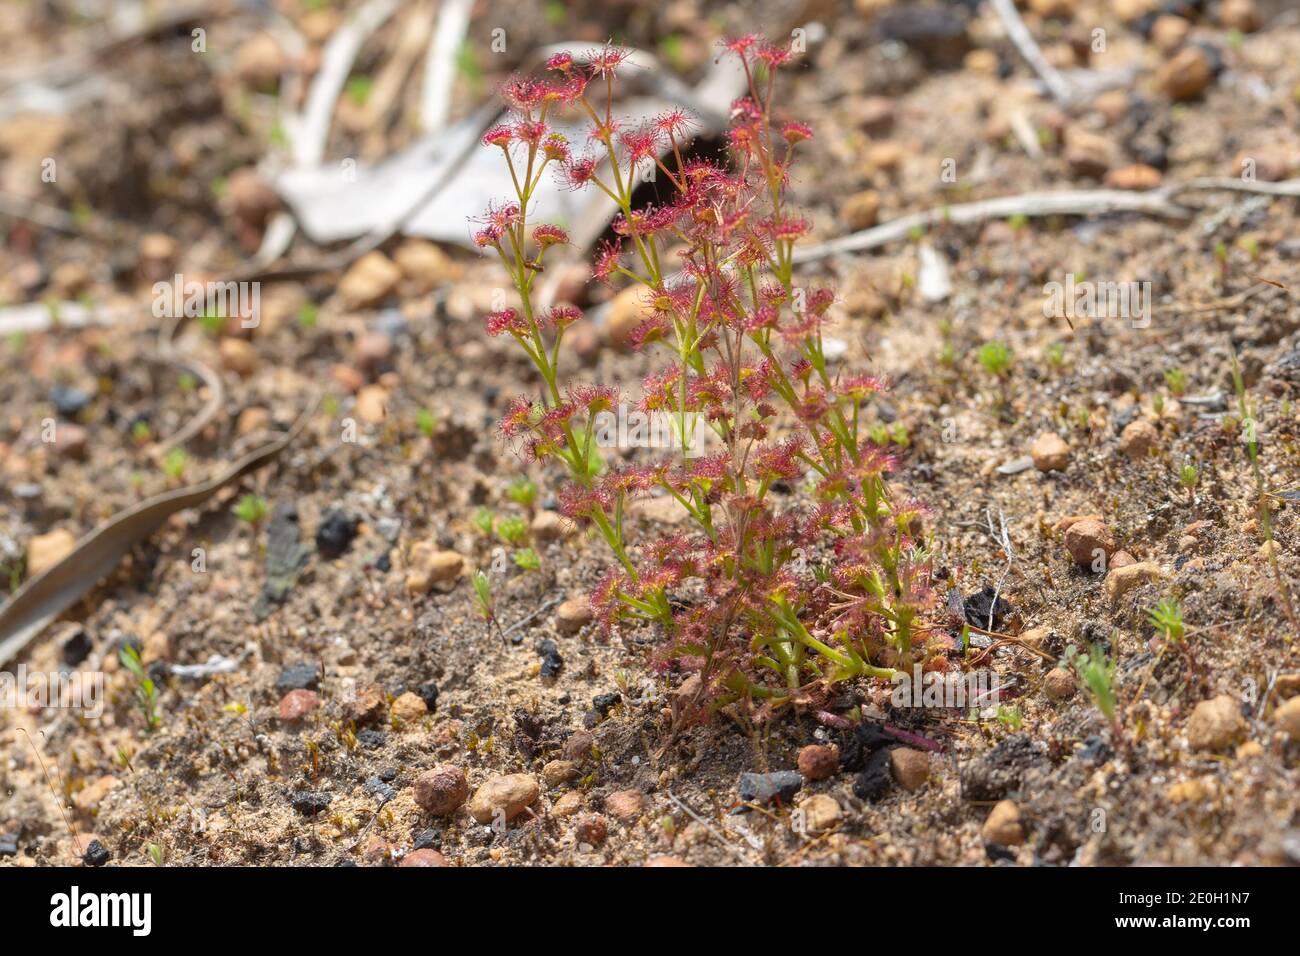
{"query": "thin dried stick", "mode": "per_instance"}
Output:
(412, 41)
(1082, 202)
(440, 66)
(726, 844)
(311, 129)
(1077, 202)
(1004, 541)
(531, 617)
(1287, 187)
(52, 217)
(1057, 84)
(216, 391)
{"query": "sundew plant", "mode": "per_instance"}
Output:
(786, 599)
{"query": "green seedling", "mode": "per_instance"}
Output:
(1096, 672)
(672, 49)
(555, 12)
(174, 463)
(13, 572)
(358, 89)
(1264, 510)
(251, 509)
(483, 595)
(1167, 618)
(1221, 260)
(995, 358)
(425, 421)
(1010, 717)
(468, 66)
(486, 602)
(485, 521)
(522, 491)
(146, 692)
(883, 434)
(513, 531)
(211, 322)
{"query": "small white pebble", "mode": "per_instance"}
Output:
(834, 349)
